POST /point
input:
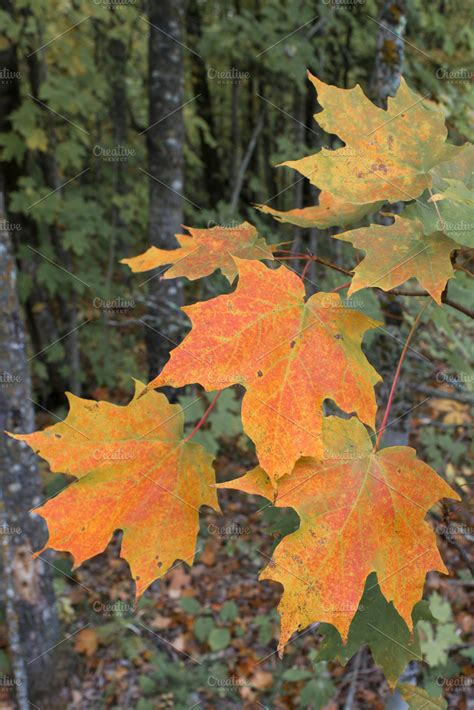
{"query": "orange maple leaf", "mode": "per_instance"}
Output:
(289, 354)
(329, 212)
(205, 251)
(136, 473)
(360, 512)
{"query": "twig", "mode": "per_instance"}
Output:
(341, 287)
(464, 397)
(458, 267)
(462, 309)
(316, 259)
(397, 374)
(353, 686)
(305, 270)
(244, 164)
(394, 291)
(204, 416)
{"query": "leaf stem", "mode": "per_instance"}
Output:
(397, 374)
(306, 267)
(395, 291)
(341, 287)
(204, 416)
(441, 223)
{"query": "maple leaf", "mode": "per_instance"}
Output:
(209, 249)
(399, 252)
(449, 206)
(136, 473)
(375, 621)
(388, 154)
(328, 213)
(419, 699)
(289, 354)
(360, 512)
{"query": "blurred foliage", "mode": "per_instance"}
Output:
(79, 204)
(78, 186)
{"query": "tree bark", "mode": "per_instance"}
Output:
(119, 117)
(389, 50)
(388, 69)
(165, 138)
(67, 302)
(209, 153)
(33, 625)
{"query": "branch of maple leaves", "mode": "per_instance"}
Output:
(288, 255)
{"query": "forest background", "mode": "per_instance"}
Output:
(120, 121)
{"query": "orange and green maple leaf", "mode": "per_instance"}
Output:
(288, 353)
(399, 252)
(360, 512)
(203, 251)
(329, 212)
(388, 154)
(135, 473)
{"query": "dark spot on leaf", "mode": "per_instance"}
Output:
(260, 373)
(338, 336)
(293, 343)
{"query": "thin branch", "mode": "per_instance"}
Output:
(348, 705)
(330, 265)
(395, 291)
(204, 416)
(459, 267)
(305, 270)
(464, 397)
(244, 164)
(397, 374)
(317, 259)
(341, 287)
(457, 306)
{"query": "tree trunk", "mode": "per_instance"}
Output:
(165, 139)
(30, 581)
(388, 69)
(389, 50)
(200, 86)
(118, 116)
(67, 299)
(33, 626)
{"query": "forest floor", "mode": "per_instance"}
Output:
(206, 636)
